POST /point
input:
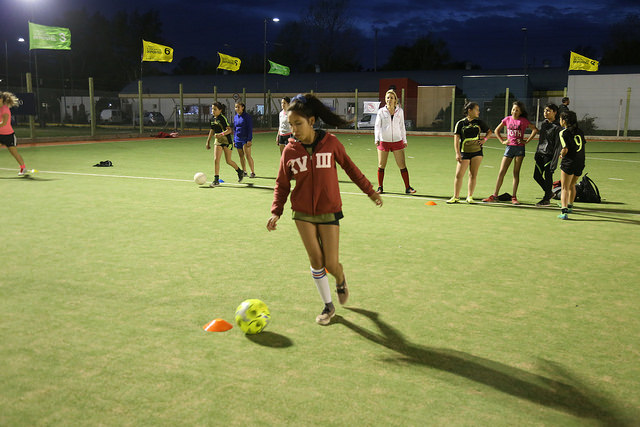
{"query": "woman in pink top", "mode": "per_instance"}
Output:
(516, 125)
(7, 135)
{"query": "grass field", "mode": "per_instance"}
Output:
(459, 315)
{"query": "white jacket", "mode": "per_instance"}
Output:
(390, 130)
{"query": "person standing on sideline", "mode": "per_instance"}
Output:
(564, 107)
(284, 130)
(467, 144)
(391, 135)
(221, 133)
(7, 135)
(573, 160)
(243, 135)
(311, 160)
(548, 146)
(516, 124)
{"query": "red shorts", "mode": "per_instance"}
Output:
(390, 146)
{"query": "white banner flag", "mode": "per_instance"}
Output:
(371, 107)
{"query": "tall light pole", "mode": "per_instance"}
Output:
(264, 69)
(524, 30)
(6, 63)
(21, 40)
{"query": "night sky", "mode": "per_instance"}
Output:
(488, 34)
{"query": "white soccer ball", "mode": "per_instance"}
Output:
(200, 178)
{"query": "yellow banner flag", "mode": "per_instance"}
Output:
(156, 52)
(228, 62)
(579, 62)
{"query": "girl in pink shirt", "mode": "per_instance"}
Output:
(7, 135)
(516, 124)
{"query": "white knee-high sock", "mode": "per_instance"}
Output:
(322, 283)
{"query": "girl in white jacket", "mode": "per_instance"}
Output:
(391, 135)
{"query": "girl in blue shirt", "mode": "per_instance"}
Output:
(243, 135)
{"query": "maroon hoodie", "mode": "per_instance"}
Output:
(316, 191)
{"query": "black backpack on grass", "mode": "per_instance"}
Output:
(587, 191)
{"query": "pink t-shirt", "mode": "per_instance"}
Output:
(515, 129)
(6, 129)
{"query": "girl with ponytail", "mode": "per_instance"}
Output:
(310, 158)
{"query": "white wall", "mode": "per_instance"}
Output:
(599, 95)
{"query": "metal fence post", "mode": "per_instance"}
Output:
(92, 108)
(506, 103)
(32, 125)
(355, 117)
(181, 108)
(453, 108)
(626, 114)
(140, 109)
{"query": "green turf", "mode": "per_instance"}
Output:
(459, 315)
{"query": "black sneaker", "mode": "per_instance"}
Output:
(240, 175)
(343, 292)
(245, 173)
(380, 190)
(215, 183)
(410, 190)
(543, 202)
(253, 175)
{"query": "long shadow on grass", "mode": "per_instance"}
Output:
(564, 395)
(270, 339)
(28, 178)
(581, 207)
(601, 218)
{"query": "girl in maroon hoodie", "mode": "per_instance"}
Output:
(310, 158)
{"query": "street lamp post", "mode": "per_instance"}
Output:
(6, 63)
(524, 31)
(264, 69)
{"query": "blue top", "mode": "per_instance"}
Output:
(242, 127)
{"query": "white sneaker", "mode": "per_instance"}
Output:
(325, 317)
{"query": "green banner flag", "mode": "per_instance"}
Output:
(278, 69)
(43, 37)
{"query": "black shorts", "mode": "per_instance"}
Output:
(469, 156)
(324, 219)
(572, 167)
(9, 140)
(543, 159)
(284, 139)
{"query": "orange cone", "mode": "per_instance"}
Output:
(430, 203)
(217, 325)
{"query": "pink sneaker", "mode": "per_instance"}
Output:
(492, 199)
(514, 200)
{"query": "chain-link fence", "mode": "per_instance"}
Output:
(75, 109)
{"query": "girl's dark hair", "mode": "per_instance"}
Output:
(286, 99)
(220, 106)
(309, 106)
(570, 118)
(523, 110)
(469, 106)
(551, 106)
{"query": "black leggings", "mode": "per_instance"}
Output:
(543, 174)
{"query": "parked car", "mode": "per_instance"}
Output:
(368, 121)
(151, 118)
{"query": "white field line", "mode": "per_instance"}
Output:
(231, 184)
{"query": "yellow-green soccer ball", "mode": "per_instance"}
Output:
(252, 316)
